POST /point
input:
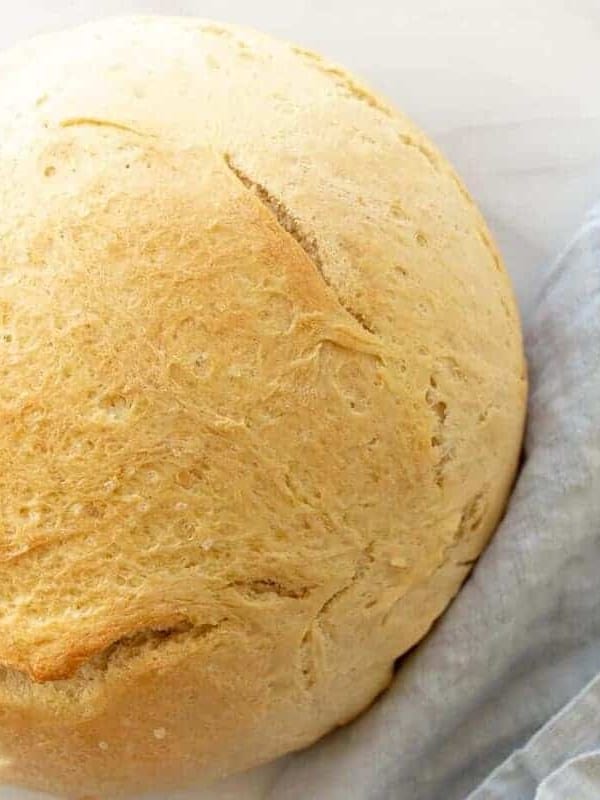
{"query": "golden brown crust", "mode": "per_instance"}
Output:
(261, 399)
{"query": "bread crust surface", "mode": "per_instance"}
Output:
(262, 395)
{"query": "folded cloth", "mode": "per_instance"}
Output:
(562, 761)
(523, 636)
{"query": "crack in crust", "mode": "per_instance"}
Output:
(125, 649)
(343, 80)
(96, 122)
(314, 632)
(269, 587)
(149, 639)
(291, 226)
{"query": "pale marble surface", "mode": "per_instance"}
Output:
(507, 88)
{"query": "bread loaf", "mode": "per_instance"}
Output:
(262, 393)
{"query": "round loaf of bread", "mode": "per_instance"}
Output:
(262, 393)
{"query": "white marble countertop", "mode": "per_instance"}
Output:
(507, 88)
